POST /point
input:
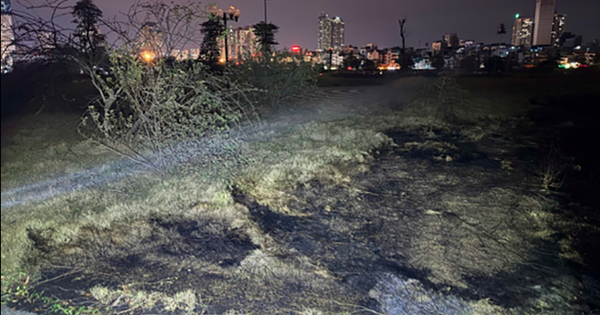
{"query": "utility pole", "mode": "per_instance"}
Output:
(266, 20)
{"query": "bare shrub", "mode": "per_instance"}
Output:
(444, 99)
(156, 110)
(278, 79)
(550, 170)
(162, 114)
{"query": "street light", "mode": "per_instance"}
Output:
(148, 56)
(232, 14)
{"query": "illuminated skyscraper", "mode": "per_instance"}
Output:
(558, 28)
(522, 31)
(544, 19)
(8, 37)
(331, 33)
(241, 43)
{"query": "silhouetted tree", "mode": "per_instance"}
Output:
(369, 65)
(87, 33)
(351, 61)
(265, 33)
(438, 62)
(501, 29)
(468, 64)
(212, 29)
(501, 32)
(494, 64)
(404, 60)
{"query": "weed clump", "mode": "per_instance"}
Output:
(277, 80)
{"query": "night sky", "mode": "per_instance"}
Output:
(375, 21)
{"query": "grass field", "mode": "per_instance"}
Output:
(405, 202)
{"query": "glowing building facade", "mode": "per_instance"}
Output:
(331, 33)
(522, 31)
(558, 28)
(241, 43)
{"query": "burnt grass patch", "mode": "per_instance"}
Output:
(226, 249)
(400, 217)
(168, 255)
(568, 123)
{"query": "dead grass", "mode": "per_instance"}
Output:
(303, 153)
(550, 169)
(452, 232)
(85, 227)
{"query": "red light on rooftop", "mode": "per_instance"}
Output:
(295, 48)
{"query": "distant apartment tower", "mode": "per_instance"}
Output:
(331, 33)
(558, 28)
(452, 40)
(544, 19)
(241, 43)
(522, 31)
(151, 39)
(8, 36)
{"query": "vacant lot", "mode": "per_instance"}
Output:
(420, 196)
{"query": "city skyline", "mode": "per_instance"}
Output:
(377, 23)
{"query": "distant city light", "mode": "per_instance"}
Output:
(296, 48)
(517, 16)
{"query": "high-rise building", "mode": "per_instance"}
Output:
(452, 40)
(151, 39)
(8, 36)
(544, 19)
(331, 33)
(558, 28)
(522, 31)
(241, 43)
